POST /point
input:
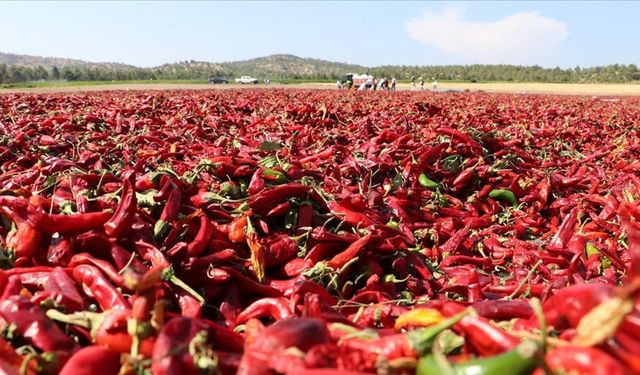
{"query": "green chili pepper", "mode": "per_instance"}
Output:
(393, 224)
(504, 194)
(519, 361)
(422, 339)
(591, 249)
(229, 189)
(426, 182)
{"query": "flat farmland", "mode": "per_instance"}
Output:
(497, 87)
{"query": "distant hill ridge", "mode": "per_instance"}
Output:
(50, 62)
(279, 65)
(23, 68)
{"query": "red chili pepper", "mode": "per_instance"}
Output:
(501, 310)
(190, 307)
(352, 218)
(432, 154)
(63, 291)
(204, 235)
(349, 253)
(256, 184)
(202, 199)
(237, 229)
(266, 200)
(567, 307)
(453, 244)
(60, 250)
(226, 255)
(302, 333)
(171, 350)
(32, 324)
(104, 266)
(301, 288)
(152, 254)
(276, 308)
(124, 215)
(389, 347)
(249, 284)
(582, 360)
(484, 337)
(279, 210)
(305, 217)
(92, 360)
(279, 249)
(25, 242)
(52, 223)
(463, 179)
(565, 232)
(322, 235)
(170, 210)
(96, 285)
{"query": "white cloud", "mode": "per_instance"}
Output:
(520, 38)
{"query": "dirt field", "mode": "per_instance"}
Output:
(543, 88)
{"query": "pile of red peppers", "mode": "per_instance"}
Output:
(319, 232)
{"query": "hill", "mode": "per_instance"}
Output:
(49, 62)
(290, 66)
(25, 68)
(281, 66)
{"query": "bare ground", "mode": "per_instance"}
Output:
(542, 88)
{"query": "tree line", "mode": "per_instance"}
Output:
(615, 73)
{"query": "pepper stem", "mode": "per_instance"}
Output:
(537, 310)
(24, 366)
(80, 319)
(444, 366)
(169, 275)
(524, 280)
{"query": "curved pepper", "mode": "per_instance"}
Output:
(32, 323)
(503, 194)
(96, 285)
(122, 219)
(277, 308)
(93, 360)
(519, 361)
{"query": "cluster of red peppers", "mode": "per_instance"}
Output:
(319, 232)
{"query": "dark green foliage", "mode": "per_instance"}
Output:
(287, 68)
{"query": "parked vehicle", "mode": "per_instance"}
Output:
(222, 80)
(247, 79)
(354, 80)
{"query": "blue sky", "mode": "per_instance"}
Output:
(147, 33)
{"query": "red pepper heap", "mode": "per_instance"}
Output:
(311, 232)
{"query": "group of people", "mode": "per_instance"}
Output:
(385, 84)
(434, 84)
(372, 84)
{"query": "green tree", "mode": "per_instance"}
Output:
(3, 73)
(40, 73)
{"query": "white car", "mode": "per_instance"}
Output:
(246, 79)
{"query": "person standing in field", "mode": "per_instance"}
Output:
(384, 84)
(434, 85)
(413, 82)
(393, 83)
(421, 84)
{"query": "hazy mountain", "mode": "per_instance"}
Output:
(49, 62)
(290, 65)
(277, 66)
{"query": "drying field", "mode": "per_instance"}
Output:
(307, 231)
(494, 87)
